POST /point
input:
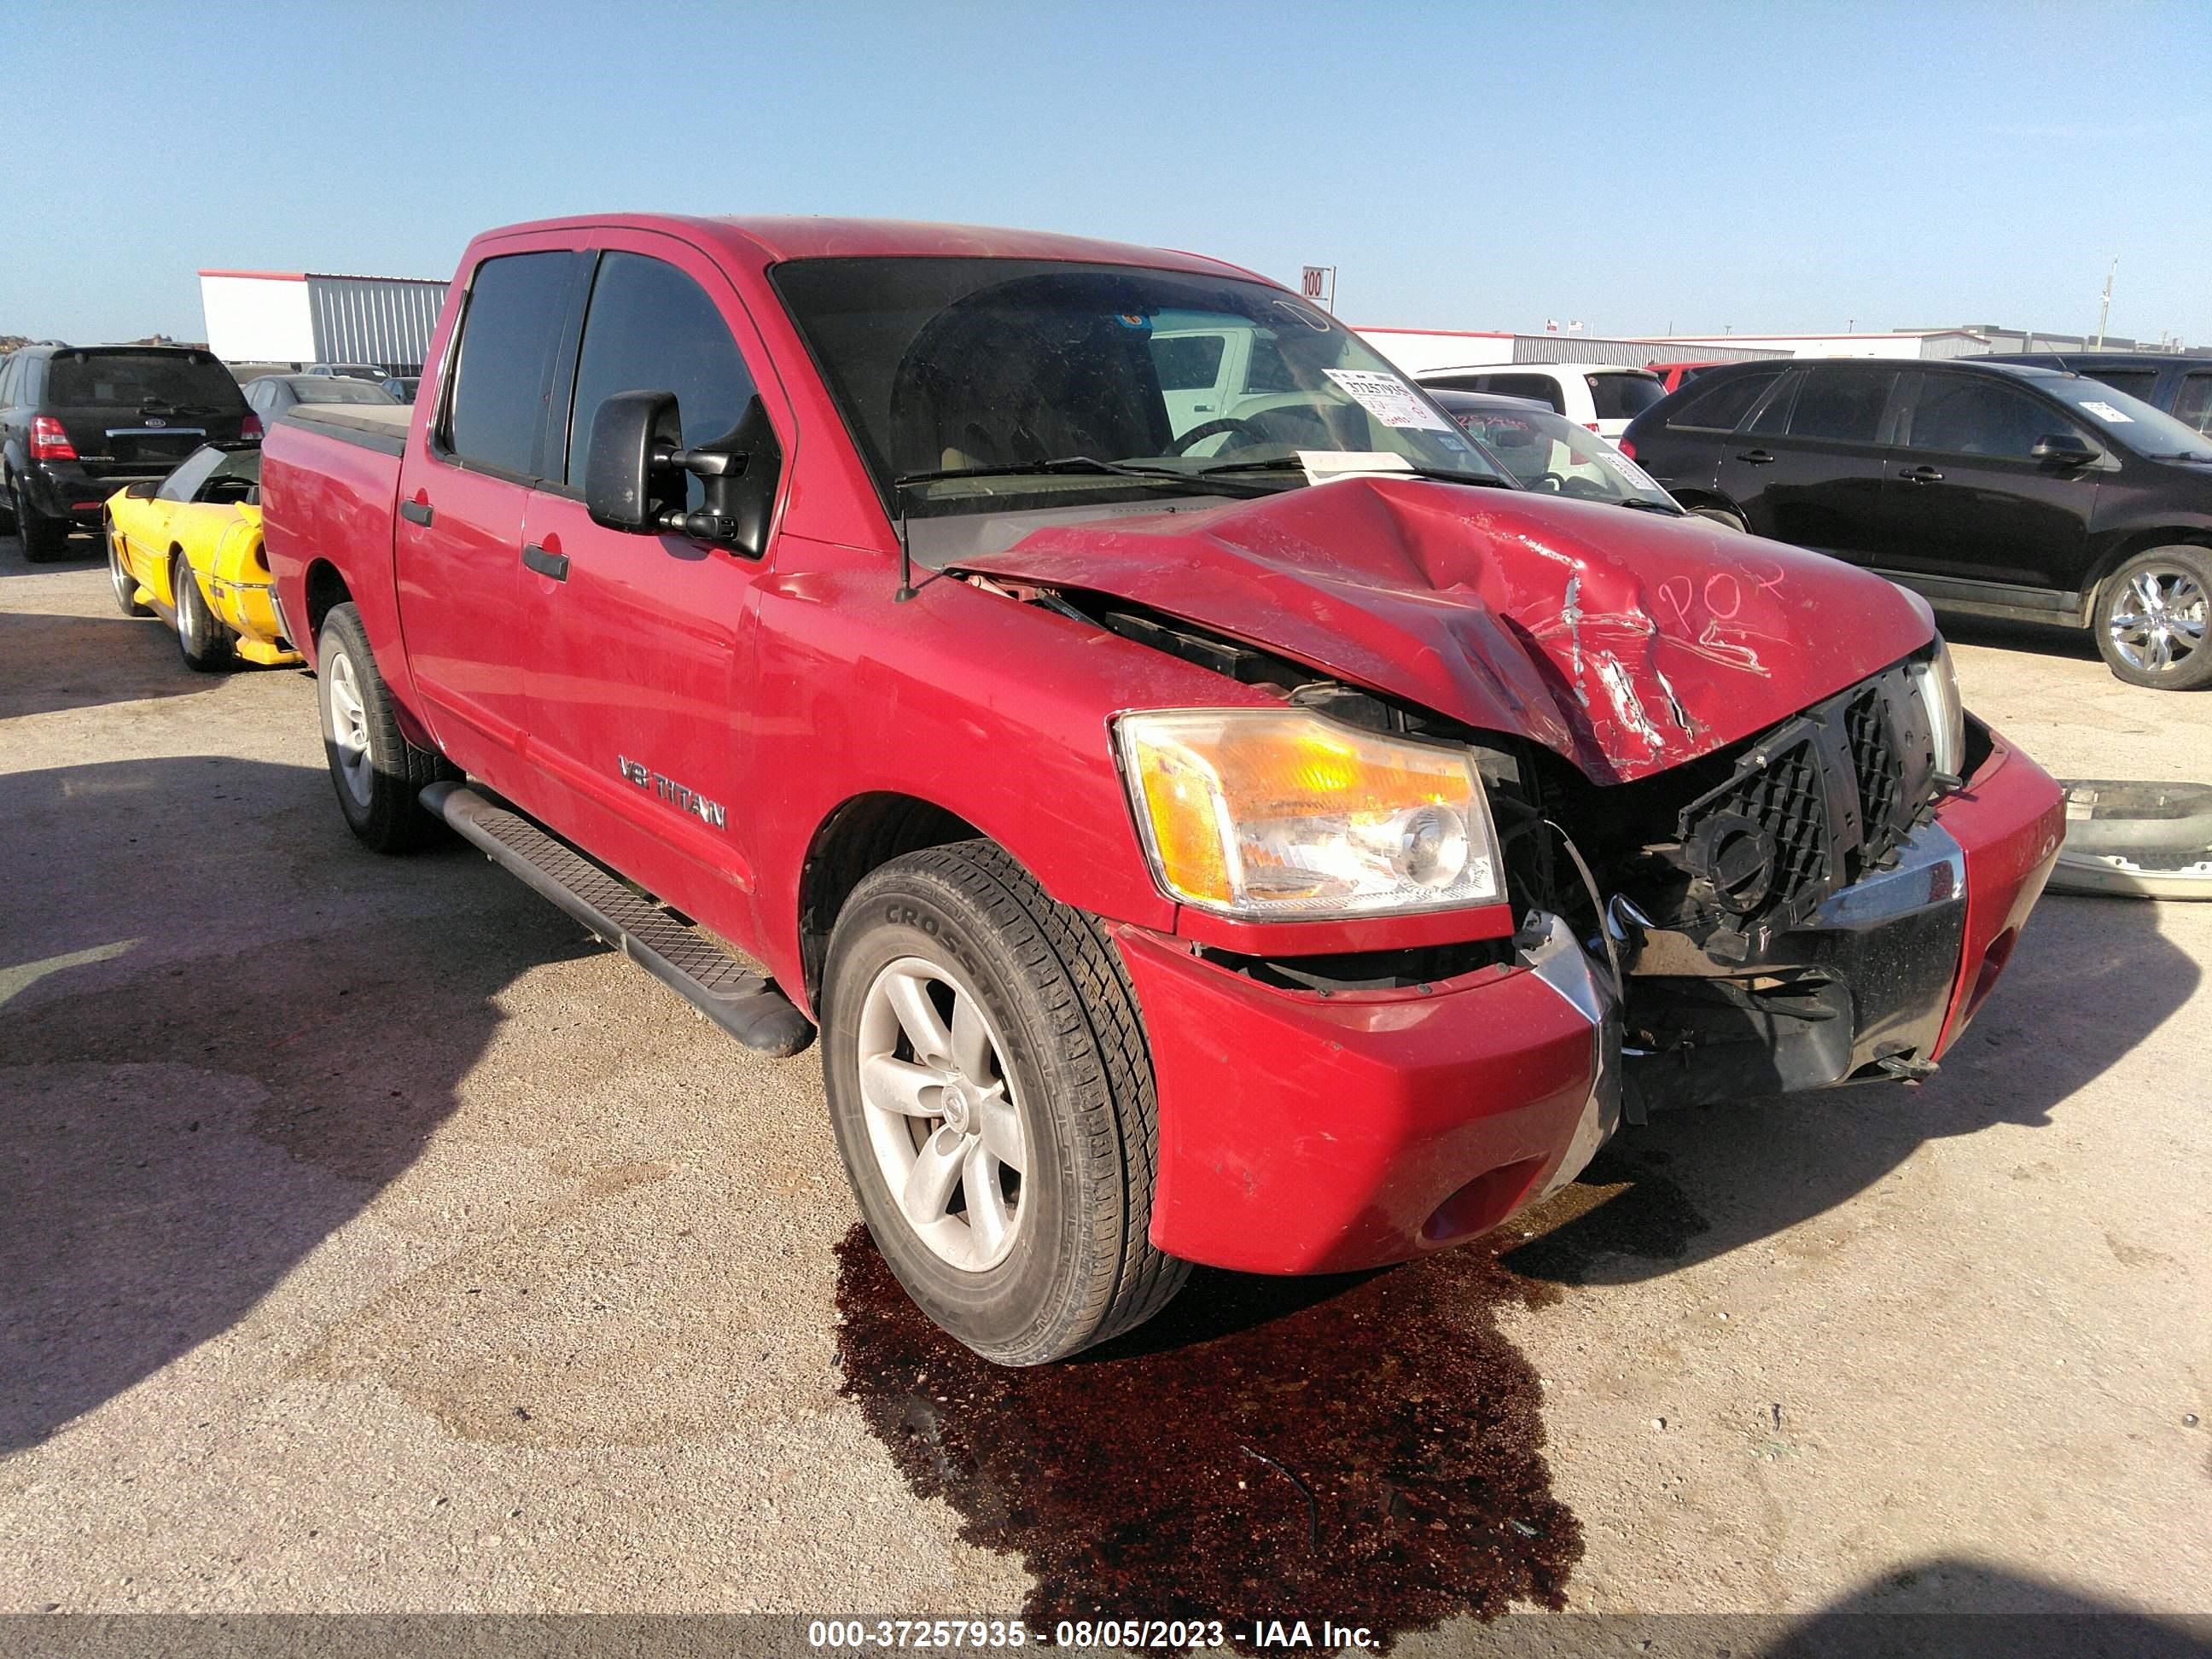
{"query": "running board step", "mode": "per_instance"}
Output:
(741, 1001)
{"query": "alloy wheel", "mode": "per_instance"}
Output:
(346, 720)
(942, 1119)
(2157, 621)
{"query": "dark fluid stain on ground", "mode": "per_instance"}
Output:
(1619, 1205)
(1367, 1450)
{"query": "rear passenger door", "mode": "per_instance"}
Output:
(639, 647)
(1809, 465)
(1968, 500)
(458, 538)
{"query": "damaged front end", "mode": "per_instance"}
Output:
(1799, 922)
(1783, 915)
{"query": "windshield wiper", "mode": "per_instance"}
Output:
(1081, 464)
(1645, 504)
(1435, 474)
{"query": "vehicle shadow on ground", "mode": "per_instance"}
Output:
(184, 1117)
(1970, 1610)
(49, 663)
(2091, 979)
(80, 550)
(2037, 639)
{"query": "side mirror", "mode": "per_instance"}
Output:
(143, 491)
(634, 473)
(621, 491)
(2064, 449)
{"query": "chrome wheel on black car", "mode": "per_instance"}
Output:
(2152, 616)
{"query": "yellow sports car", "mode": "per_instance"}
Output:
(189, 548)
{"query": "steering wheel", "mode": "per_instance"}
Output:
(1586, 490)
(1551, 482)
(1212, 429)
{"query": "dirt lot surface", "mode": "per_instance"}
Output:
(369, 1240)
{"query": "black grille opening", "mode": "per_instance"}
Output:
(1786, 799)
(1880, 771)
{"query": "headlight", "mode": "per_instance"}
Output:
(1938, 686)
(1266, 814)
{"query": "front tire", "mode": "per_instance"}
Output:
(118, 572)
(379, 775)
(2152, 616)
(992, 1096)
(204, 640)
(43, 538)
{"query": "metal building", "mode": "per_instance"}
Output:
(314, 317)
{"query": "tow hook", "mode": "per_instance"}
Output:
(1907, 1070)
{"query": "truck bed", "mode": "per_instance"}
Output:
(329, 487)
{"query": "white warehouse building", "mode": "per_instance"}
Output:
(306, 317)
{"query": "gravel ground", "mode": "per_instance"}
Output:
(371, 1241)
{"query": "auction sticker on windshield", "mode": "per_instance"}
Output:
(2104, 412)
(1629, 470)
(1388, 398)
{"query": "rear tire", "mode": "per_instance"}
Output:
(1051, 1051)
(204, 640)
(118, 572)
(379, 775)
(43, 538)
(1721, 516)
(2153, 619)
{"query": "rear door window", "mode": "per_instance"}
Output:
(130, 379)
(1720, 406)
(651, 328)
(2192, 406)
(502, 377)
(1842, 404)
(1623, 397)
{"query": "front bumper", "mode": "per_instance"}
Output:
(1304, 1132)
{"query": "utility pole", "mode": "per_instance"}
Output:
(2104, 310)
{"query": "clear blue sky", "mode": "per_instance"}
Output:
(1782, 168)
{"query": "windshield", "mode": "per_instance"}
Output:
(1547, 452)
(976, 366)
(132, 379)
(2129, 421)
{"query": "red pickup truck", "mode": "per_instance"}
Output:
(1253, 833)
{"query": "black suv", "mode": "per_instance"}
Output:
(1995, 489)
(79, 422)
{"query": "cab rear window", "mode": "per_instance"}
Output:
(132, 377)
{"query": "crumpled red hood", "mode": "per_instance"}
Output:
(1627, 642)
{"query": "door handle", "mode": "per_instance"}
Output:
(415, 512)
(555, 565)
(1921, 474)
(1756, 456)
